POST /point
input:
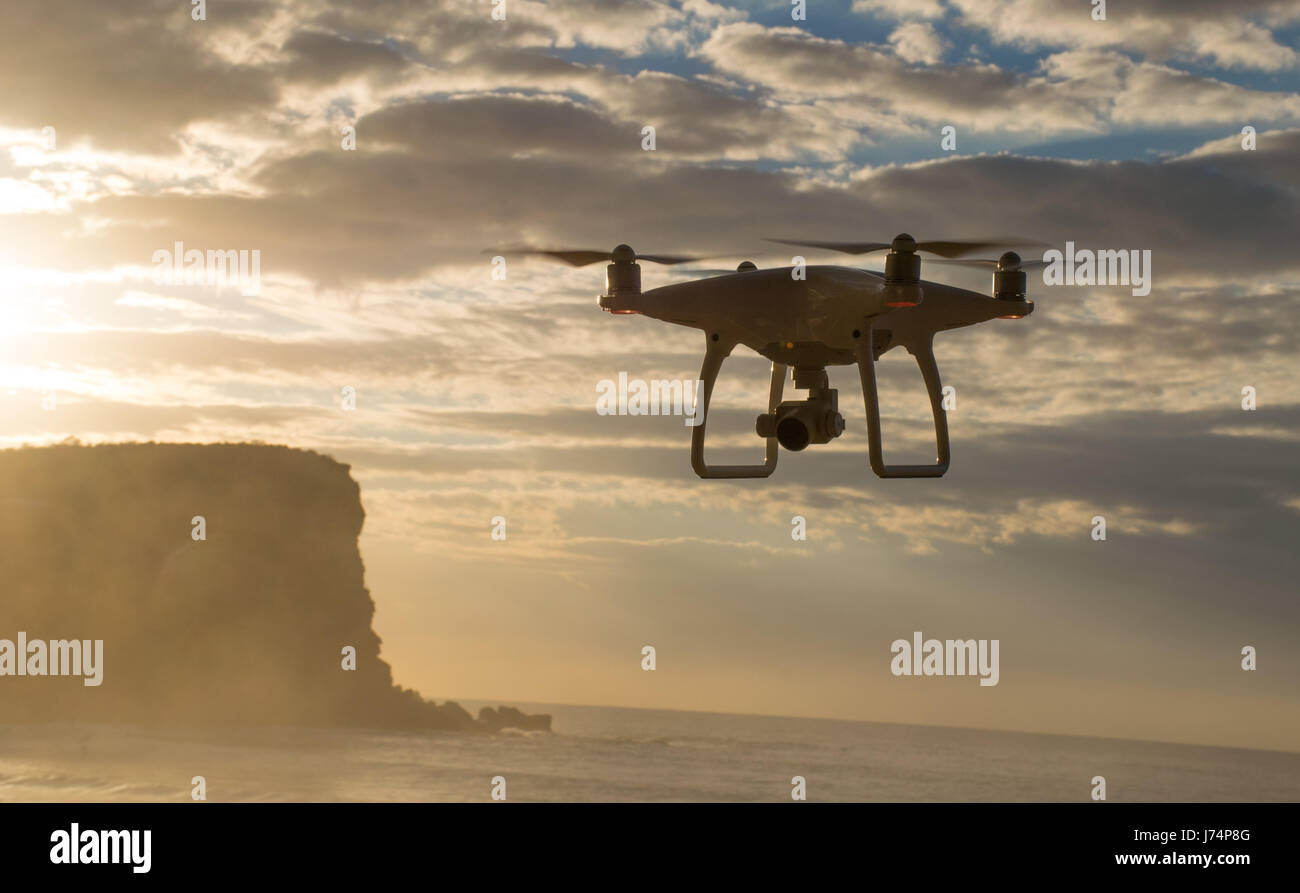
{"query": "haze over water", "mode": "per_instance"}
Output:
(619, 754)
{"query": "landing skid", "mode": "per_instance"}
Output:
(718, 348)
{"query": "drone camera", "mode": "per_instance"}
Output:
(798, 423)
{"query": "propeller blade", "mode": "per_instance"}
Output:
(582, 257)
(956, 247)
(984, 263)
(576, 258)
(666, 259)
(943, 248)
(846, 247)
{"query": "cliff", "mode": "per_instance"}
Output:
(247, 626)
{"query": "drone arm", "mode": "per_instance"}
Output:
(714, 353)
(924, 354)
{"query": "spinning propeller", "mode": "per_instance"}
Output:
(903, 266)
(583, 257)
(1008, 261)
(1009, 279)
(905, 244)
(622, 276)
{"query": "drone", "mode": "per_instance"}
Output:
(806, 318)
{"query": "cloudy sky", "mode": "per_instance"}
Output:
(475, 397)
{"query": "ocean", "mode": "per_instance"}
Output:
(606, 754)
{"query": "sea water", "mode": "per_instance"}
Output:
(616, 754)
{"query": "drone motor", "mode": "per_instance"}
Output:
(1009, 280)
(903, 272)
(623, 275)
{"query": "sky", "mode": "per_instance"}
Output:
(126, 128)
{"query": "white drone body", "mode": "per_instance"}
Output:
(807, 318)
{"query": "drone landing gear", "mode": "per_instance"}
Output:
(717, 349)
(924, 354)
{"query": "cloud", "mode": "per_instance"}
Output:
(918, 42)
(1237, 37)
(181, 306)
(127, 76)
(1073, 92)
(322, 57)
(901, 9)
(628, 26)
(393, 214)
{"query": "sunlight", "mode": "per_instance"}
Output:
(15, 302)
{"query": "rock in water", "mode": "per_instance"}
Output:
(510, 718)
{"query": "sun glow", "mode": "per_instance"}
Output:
(17, 299)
